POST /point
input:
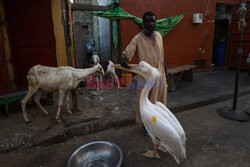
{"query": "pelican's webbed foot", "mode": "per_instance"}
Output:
(151, 154)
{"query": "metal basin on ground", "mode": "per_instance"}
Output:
(97, 154)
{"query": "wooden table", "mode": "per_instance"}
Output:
(18, 96)
(175, 74)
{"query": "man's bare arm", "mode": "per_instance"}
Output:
(124, 61)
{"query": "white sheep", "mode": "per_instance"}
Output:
(108, 68)
(50, 79)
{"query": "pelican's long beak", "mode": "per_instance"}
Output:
(134, 68)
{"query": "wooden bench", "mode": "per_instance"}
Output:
(17, 96)
(175, 74)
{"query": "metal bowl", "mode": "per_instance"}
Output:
(97, 154)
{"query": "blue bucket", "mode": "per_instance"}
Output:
(220, 53)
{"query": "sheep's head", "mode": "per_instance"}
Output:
(99, 69)
(95, 59)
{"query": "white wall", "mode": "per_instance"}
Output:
(104, 34)
(82, 36)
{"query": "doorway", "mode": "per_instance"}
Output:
(94, 34)
(31, 34)
(221, 33)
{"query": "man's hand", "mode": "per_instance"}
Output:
(124, 61)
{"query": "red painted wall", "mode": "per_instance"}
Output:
(31, 35)
(183, 43)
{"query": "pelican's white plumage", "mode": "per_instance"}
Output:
(161, 124)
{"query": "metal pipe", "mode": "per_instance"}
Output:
(237, 72)
(242, 12)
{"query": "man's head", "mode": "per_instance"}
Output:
(149, 21)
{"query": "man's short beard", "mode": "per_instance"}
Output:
(149, 30)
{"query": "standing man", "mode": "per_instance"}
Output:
(148, 46)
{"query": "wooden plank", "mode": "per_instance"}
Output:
(77, 6)
(178, 69)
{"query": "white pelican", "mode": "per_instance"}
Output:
(161, 124)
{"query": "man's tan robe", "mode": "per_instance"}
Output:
(151, 51)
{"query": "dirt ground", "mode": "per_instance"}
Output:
(212, 141)
(15, 133)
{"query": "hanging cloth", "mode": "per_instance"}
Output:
(162, 25)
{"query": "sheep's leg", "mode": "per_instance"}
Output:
(97, 84)
(114, 76)
(37, 101)
(61, 96)
(31, 91)
(101, 82)
(68, 102)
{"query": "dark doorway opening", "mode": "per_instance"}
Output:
(222, 24)
(31, 34)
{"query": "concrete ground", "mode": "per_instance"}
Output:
(207, 88)
(36, 143)
(212, 141)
